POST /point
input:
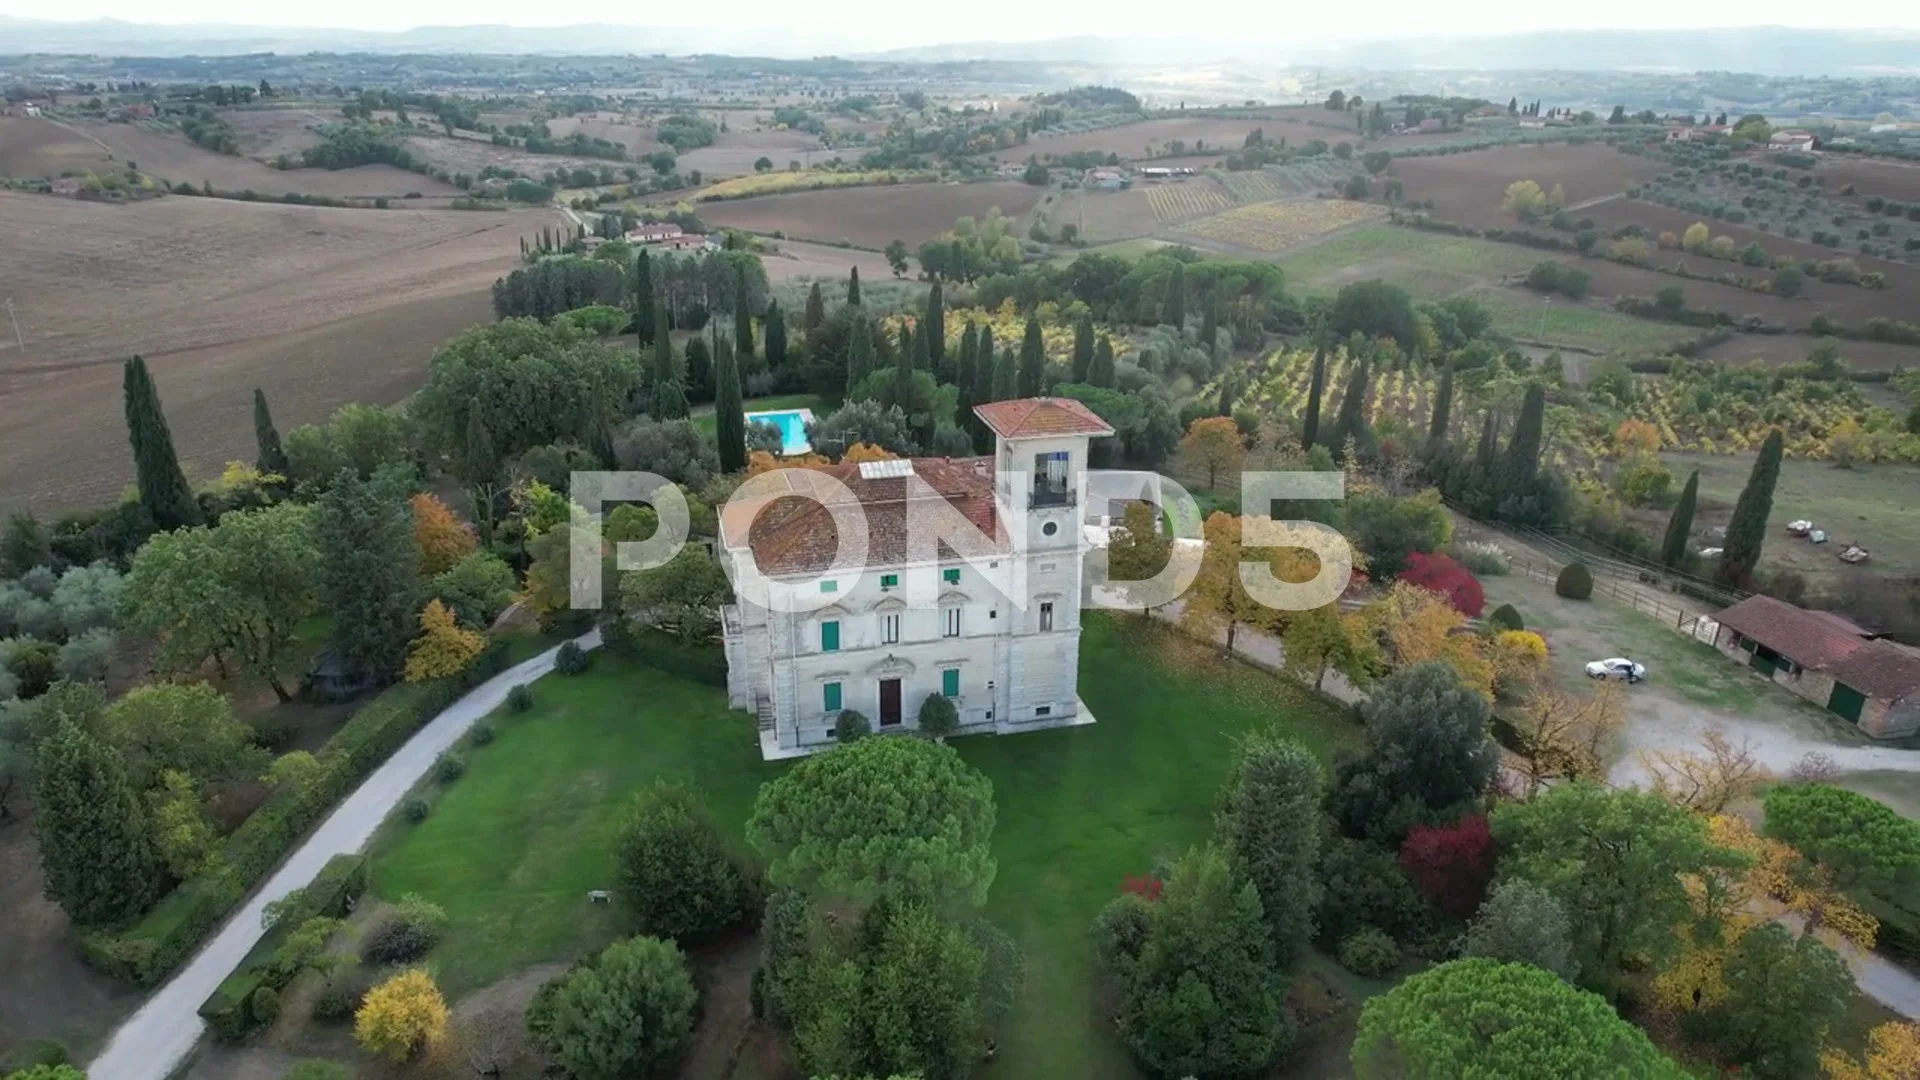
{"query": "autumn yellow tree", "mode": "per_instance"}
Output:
(444, 647)
(541, 507)
(1564, 736)
(1519, 658)
(1415, 625)
(860, 452)
(1212, 448)
(1709, 779)
(1772, 881)
(1323, 639)
(1893, 1053)
(1635, 437)
(401, 1016)
(1695, 239)
(1525, 200)
(759, 461)
(1217, 600)
(443, 539)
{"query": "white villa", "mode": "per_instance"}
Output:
(995, 622)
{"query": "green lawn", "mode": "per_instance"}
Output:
(511, 849)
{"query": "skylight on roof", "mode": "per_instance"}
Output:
(892, 469)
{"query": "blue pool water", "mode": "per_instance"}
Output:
(793, 427)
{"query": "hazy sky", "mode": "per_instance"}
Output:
(891, 23)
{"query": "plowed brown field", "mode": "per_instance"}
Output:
(872, 216)
(1467, 188)
(33, 146)
(172, 158)
(316, 306)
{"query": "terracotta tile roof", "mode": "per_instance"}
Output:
(1881, 669)
(1034, 418)
(1801, 636)
(797, 535)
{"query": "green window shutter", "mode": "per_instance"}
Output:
(829, 586)
(831, 697)
(829, 637)
(950, 682)
(889, 581)
(952, 576)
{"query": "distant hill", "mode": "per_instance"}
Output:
(1761, 50)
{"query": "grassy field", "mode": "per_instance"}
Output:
(1871, 505)
(512, 848)
(1434, 266)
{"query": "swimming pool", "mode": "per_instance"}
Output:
(793, 427)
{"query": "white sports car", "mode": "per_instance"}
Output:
(1617, 668)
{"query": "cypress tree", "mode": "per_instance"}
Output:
(1006, 380)
(369, 570)
(644, 301)
(816, 312)
(859, 352)
(1174, 309)
(96, 845)
(668, 393)
(1210, 329)
(479, 464)
(1673, 550)
(965, 378)
(1083, 348)
(983, 357)
(1522, 462)
(1748, 527)
(1483, 453)
(1442, 406)
(1033, 360)
(697, 358)
(935, 331)
(273, 457)
(1351, 423)
(742, 317)
(1102, 373)
(729, 411)
(163, 487)
(1224, 406)
(1310, 424)
(774, 337)
(853, 286)
(922, 359)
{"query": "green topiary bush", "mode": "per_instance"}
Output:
(571, 659)
(1369, 953)
(450, 767)
(482, 733)
(265, 1006)
(938, 717)
(1505, 617)
(851, 726)
(416, 809)
(520, 698)
(1575, 582)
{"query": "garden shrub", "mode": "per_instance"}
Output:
(482, 733)
(405, 934)
(416, 809)
(677, 876)
(657, 649)
(450, 767)
(1574, 583)
(1119, 932)
(571, 659)
(1369, 953)
(938, 718)
(340, 998)
(1505, 617)
(264, 1004)
(1482, 559)
(851, 726)
(1366, 886)
(520, 698)
(151, 948)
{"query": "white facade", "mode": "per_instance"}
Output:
(998, 632)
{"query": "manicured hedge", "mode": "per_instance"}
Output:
(149, 950)
(661, 650)
(233, 1010)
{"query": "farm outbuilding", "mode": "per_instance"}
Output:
(1828, 660)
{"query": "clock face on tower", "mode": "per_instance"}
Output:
(1049, 528)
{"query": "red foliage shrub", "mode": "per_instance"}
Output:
(1440, 574)
(1451, 865)
(1145, 886)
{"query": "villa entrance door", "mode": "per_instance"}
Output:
(889, 702)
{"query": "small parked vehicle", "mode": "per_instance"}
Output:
(1618, 667)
